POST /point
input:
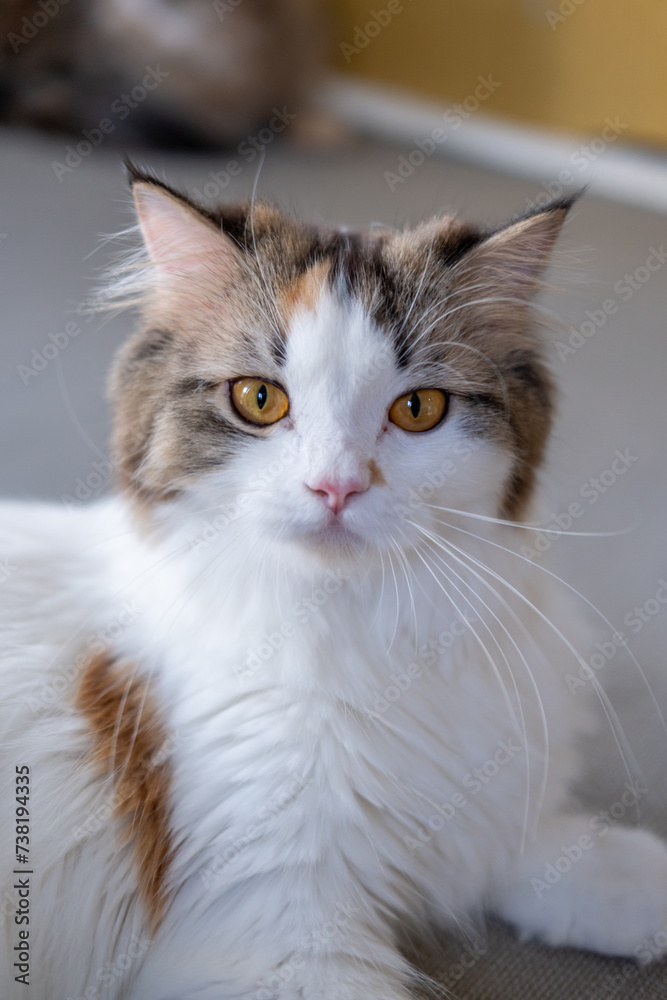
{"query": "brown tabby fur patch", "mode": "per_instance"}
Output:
(128, 740)
(305, 292)
(377, 475)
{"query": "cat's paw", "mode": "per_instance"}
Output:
(606, 892)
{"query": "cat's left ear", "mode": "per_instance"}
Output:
(516, 256)
(183, 244)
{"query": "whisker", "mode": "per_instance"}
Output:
(272, 302)
(612, 717)
(545, 729)
(393, 573)
(481, 642)
(380, 598)
(450, 295)
(536, 306)
(419, 286)
(499, 375)
(581, 596)
(534, 527)
(405, 566)
(199, 580)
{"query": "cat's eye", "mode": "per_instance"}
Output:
(258, 401)
(419, 410)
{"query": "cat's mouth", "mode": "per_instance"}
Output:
(333, 534)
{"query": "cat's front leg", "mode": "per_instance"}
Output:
(334, 959)
(355, 962)
(589, 884)
(332, 978)
(336, 977)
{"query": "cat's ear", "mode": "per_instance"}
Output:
(516, 256)
(182, 243)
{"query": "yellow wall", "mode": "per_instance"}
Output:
(597, 59)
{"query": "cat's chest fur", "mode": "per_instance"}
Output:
(320, 713)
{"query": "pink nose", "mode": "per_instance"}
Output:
(336, 494)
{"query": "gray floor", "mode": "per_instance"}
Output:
(55, 422)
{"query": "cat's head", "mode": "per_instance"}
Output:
(332, 390)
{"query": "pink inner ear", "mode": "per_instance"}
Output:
(178, 239)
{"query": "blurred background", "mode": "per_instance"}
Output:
(359, 113)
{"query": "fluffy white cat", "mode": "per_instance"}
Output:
(294, 686)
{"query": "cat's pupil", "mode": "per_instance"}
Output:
(414, 404)
(262, 395)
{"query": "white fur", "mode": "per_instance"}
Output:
(323, 789)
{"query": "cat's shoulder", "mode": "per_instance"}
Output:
(52, 561)
(32, 533)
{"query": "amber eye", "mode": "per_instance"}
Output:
(258, 401)
(419, 410)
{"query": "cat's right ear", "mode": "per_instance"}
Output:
(184, 246)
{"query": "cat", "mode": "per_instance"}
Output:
(293, 688)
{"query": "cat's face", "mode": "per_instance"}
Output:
(333, 391)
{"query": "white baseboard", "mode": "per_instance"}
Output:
(618, 172)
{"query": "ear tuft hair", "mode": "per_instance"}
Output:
(561, 204)
(173, 236)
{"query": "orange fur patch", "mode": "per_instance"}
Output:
(377, 475)
(304, 293)
(128, 746)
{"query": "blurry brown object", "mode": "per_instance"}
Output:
(223, 64)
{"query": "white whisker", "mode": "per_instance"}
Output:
(578, 594)
(442, 544)
(615, 724)
(534, 527)
(485, 650)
